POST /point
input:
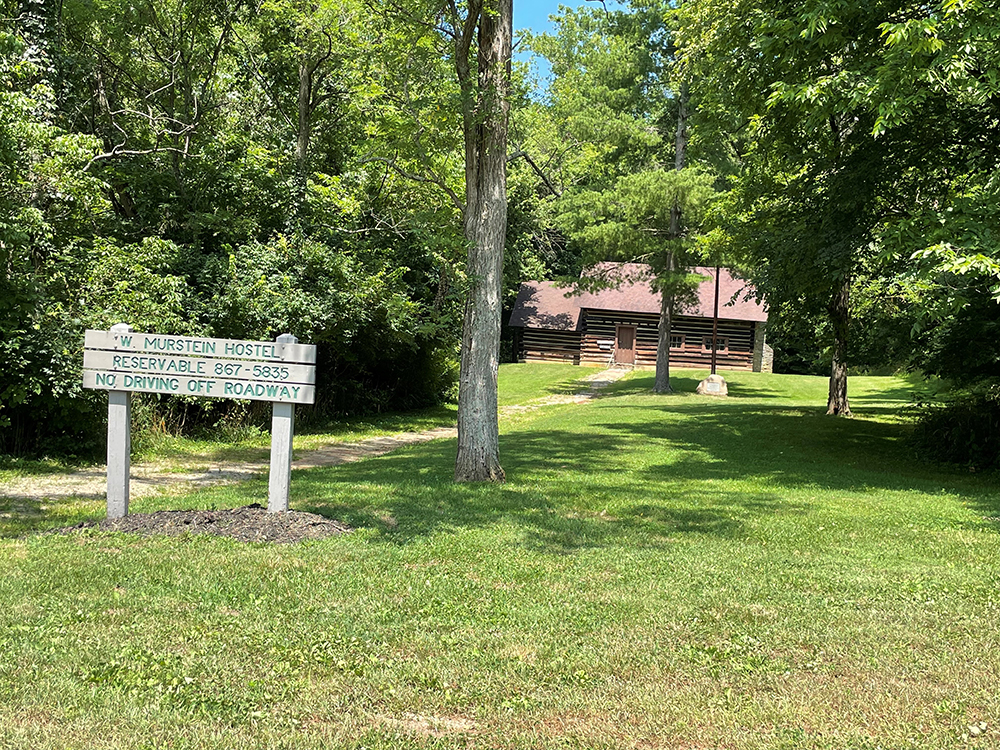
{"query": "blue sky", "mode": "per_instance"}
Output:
(534, 15)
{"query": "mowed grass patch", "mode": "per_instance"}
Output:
(659, 571)
(524, 382)
(518, 384)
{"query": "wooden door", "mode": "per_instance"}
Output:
(625, 345)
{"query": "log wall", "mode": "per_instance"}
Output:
(598, 341)
(540, 345)
(690, 338)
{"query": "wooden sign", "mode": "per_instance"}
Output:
(291, 393)
(123, 361)
(173, 365)
(199, 367)
(195, 346)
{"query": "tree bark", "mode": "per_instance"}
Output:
(485, 225)
(307, 69)
(302, 137)
(662, 382)
(837, 404)
(681, 136)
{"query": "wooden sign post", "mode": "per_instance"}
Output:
(119, 444)
(122, 361)
(282, 432)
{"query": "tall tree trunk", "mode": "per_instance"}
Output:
(485, 224)
(303, 135)
(662, 383)
(306, 70)
(681, 135)
(840, 316)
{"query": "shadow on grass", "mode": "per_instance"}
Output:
(571, 490)
(792, 448)
(636, 471)
(901, 396)
(686, 381)
(17, 466)
(409, 495)
(795, 448)
(20, 516)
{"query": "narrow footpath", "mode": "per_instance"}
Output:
(155, 478)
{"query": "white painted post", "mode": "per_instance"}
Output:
(282, 431)
(119, 444)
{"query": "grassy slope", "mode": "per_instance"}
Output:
(658, 572)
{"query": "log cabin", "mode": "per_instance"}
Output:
(618, 325)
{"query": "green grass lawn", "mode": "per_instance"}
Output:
(522, 383)
(657, 572)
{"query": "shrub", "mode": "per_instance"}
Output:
(965, 430)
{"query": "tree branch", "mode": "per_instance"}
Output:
(131, 152)
(430, 179)
(379, 7)
(603, 5)
(254, 69)
(531, 162)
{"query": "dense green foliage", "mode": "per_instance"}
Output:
(866, 152)
(965, 430)
(148, 178)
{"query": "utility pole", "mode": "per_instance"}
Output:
(714, 384)
(715, 320)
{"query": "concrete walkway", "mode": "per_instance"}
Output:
(156, 478)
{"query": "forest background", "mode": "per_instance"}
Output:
(242, 169)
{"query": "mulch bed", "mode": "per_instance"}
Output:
(250, 523)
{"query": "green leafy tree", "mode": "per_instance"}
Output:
(203, 167)
(639, 219)
(866, 134)
(48, 212)
(940, 70)
(628, 193)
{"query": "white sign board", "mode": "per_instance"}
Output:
(192, 366)
(289, 393)
(195, 346)
(122, 361)
(198, 367)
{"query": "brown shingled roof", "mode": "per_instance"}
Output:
(542, 304)
(736, 298)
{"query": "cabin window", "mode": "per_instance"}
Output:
(676, 340)
(721, 343)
